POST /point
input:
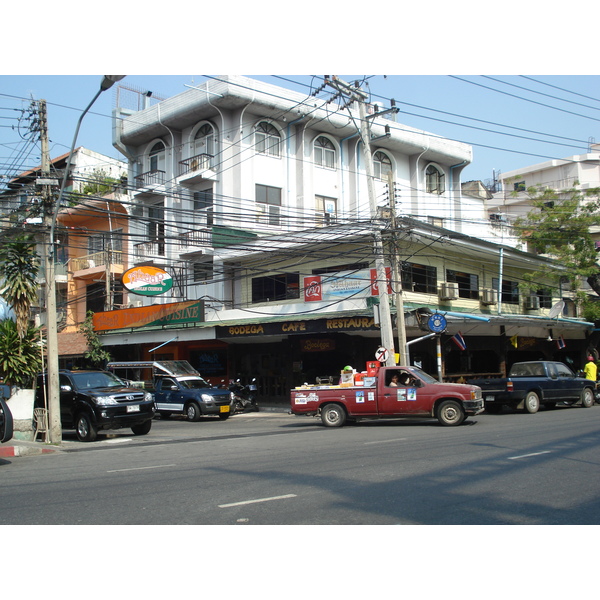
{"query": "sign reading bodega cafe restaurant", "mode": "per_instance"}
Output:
(147, 281)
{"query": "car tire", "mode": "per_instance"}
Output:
(587, 398)
(142, 428)
(84, 428)
(531, 403)
(450, 413)
(192, 412)
(333, 415)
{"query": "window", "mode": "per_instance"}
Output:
(510, 290)
(267, 139)
(325, 210)
(276, 287)
(202, 272)
(519, 186)
(324, 153)
(434, 180)
(155, 227)
(337, 268)
(419, 278)
(204, 146)
(545, 296)
(382, 165)
(203, 202)
(468, 284)
(268, 204)
(109, 240)
(157, 157)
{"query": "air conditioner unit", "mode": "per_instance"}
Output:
(449, 291)
(489, 297)
(532, 303)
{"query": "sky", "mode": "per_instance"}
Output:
(510, 121)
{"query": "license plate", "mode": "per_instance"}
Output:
(224, 409)
(133, 408)
(489, 398)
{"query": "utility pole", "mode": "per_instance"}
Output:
(397, 276)
(54, 422)
(357, 95)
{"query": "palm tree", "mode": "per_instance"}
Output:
(19, 262)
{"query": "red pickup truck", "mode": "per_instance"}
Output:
(379, 397)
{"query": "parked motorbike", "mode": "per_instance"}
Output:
(244, 396)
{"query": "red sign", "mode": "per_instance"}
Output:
(313, 290)
(374, 283)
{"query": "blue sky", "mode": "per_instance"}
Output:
(511, 121)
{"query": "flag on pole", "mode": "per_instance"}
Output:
(560, 342)
(459, 341)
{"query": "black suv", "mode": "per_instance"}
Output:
(94, 400)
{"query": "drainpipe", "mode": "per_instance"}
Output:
(462, 164)
(417, 173)
(342, 161)
(289, 135)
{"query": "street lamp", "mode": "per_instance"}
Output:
(55, 426)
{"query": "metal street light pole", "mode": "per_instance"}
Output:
(55, 426)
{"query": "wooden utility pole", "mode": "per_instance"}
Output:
(387, 335)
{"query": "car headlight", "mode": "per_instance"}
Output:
(105, 400)
(207, 398)
(148, 397)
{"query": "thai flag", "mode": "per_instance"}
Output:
(459, 341)
(560, 342)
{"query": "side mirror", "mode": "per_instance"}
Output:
(174, 388)
(66, 388)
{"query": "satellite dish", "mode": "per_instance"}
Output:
(557, 309)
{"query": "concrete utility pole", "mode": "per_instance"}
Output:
(397, 278)
(387, 335)
(54, 422)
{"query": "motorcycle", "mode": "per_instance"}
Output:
(244, 396)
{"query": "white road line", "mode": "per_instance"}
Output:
(528, 455)
(140, 468)
(386, 441)
(258, 500)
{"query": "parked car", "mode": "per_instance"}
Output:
(91, 401)
(6, 420)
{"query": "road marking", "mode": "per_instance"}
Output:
(386, 441)
(140, 468)
(528, 455)
(258, 500)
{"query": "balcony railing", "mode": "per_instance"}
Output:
(146, 250)
(200, 162)
(195, 238)
(97, 259)
(149, 179)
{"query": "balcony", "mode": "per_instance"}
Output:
(150, 183)
(197, 168)
(149, 250)
(194, 242)
(86, 266)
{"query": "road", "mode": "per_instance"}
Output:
(277, 469)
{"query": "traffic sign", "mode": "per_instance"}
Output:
(382, 354)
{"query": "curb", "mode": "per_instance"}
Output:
(25, 449)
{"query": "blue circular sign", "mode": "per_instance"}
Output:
(437, 323)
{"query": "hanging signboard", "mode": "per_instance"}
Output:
(147, 281)
(342, 285)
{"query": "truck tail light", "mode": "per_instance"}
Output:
(509, 386)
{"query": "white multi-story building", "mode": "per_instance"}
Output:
(242, 190)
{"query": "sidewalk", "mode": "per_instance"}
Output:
(24, 448)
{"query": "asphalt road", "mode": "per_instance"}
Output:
(277, 469)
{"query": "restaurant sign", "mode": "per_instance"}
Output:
(147, 281)
(157, 315)
(342, 285)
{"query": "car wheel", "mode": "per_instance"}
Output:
(587, 398)
(531, 403)
(142, 428)
(84, 428)
(192, 412)
(333, 415)
(450, 413)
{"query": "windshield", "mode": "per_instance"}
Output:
(194, 384)
(424, 376)
(96, 379)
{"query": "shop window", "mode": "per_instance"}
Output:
(285, 286)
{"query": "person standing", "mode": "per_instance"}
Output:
(590, 370)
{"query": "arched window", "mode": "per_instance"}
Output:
(204, 147)
(434, 180)
(382, 165)
(324, 153)
(267, 139)
(157, 157)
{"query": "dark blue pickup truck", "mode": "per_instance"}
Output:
(531, 384)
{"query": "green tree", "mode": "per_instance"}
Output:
(19, 264)
(96, 354)
(559, 226)
(20, 357)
